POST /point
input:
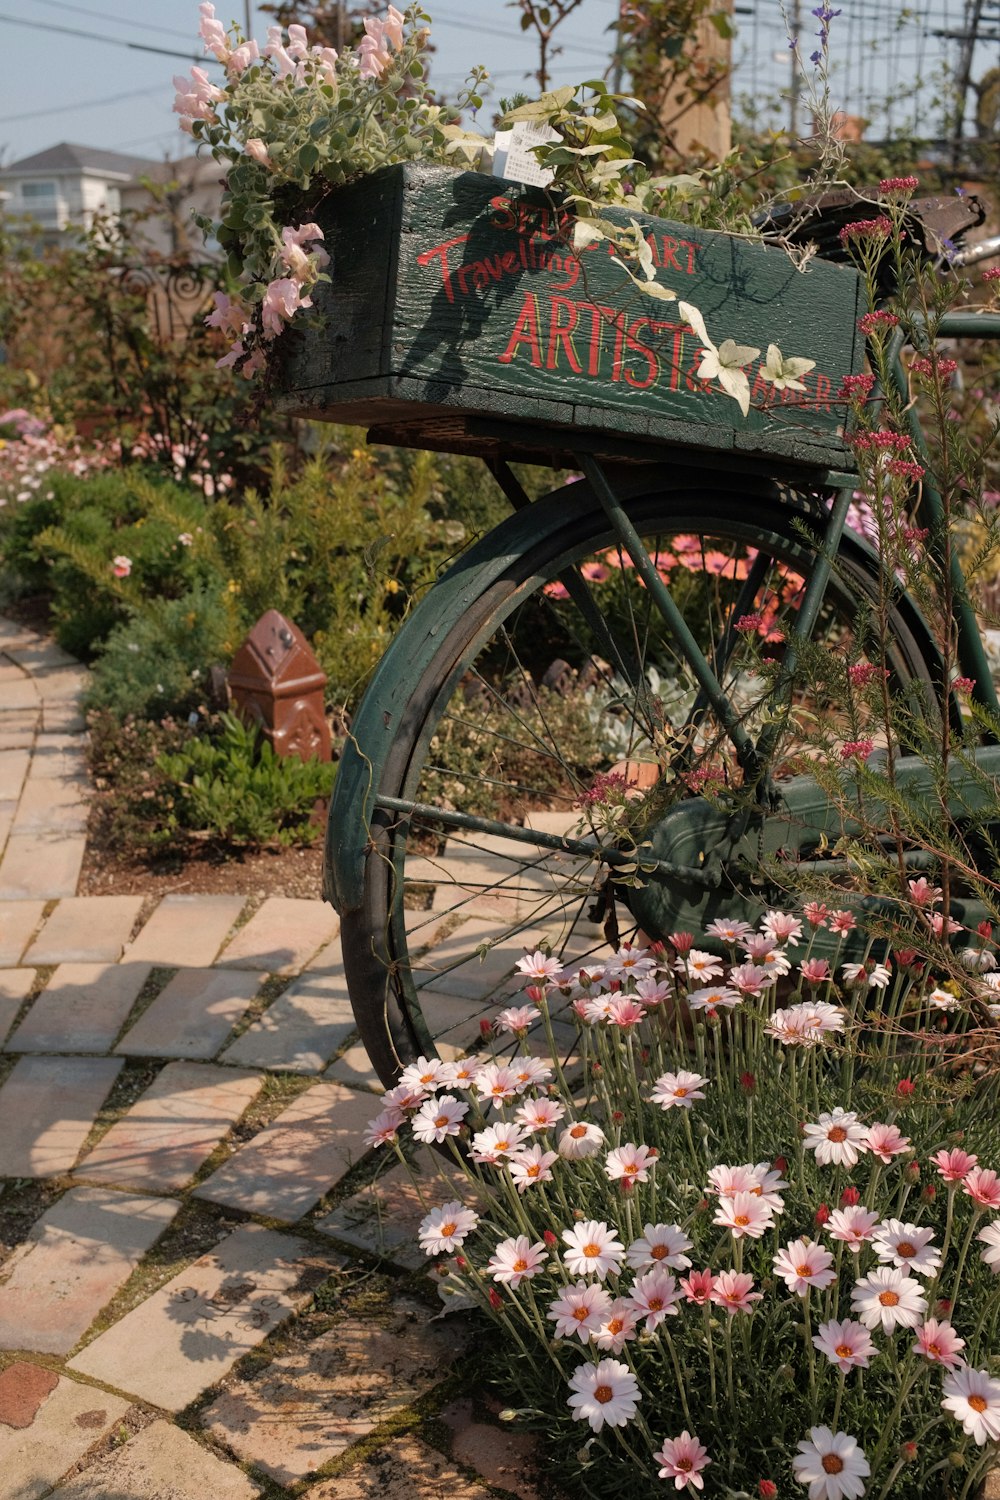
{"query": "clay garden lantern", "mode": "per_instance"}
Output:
(277, 683)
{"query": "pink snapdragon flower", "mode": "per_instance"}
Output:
(257, 150)
(196, 98)
(213, 33)
(282, 300)
(302, 252)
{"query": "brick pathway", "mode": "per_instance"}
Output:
(197, 1302)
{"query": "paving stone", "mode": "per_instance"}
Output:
(7, 811)
(353, 1067)
(69, 1421)
(288, 1167)
(167, 1134)
(14, 986)
(45, 864)
(85, 929)
(61, 685)
(23, 1388)
(187, 931)
(13, 769)
(453, 967)
(39, 654)
(402, 1470)
(47, 1106)
(13, 737)
(308, 1407)
(18, 923)
(62, 718)
(58, 755)
(53, 804)
(301, 1030)
(74, 1260)
(193, 1014)
(192, 1330)
(330, 957)
(383, 1217)
(503, 1456)
(160, 1463)
(282, 936)
(18, 691)
(81, 1009)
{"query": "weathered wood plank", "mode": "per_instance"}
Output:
(457, 291)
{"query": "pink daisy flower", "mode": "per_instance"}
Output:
(604, 1393)
(888, 1298)
(496, 1141)
(938, 1342)
(580, 1310)
(529, 1072)
(803, 1264)
(531, 1166)
(699, 966)
(620, 1325)
(906, 1246)
(402, 1097)
(678, 1089)
(424, 1076)
(846, 1344)
(733, 1291)
(539, 968)
(592, 1249)
(744, 1215)
(726, 1180)
(973, 1398)
(713, 997)
(748, 979)
(983, 1187)
(624, 1011)
(540, 1114)
(654, 1295)
(955, 1165)
(815, 970)
(698, 1287)
(885, 1142)
(515, 1020)
(854, 1225)
(445, 1228)
(782, 926)
(836, 1138)
(496, 1082)
(682, 1459)
(580, 1139)
(842, 922)
(516, 1260)
(727, 930)
(629, 1163)
(659, 1245)
(382, 1130)
(438, 1118)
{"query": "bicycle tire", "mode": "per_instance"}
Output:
(406, 1002)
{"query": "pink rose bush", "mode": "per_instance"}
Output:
(745, 1254)
(288, 122)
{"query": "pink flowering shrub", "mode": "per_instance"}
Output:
(289, 122)
(744, 1235)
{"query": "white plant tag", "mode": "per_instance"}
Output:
(513, 157)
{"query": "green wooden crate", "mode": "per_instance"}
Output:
(455, 298)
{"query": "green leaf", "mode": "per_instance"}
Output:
(308, 156)
(723, 25)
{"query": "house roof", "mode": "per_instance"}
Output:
(69, 158)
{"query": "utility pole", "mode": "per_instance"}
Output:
(248, 19)
(341, 38)
(963, 80)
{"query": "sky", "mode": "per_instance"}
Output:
(94, 90)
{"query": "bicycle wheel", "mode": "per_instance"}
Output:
(529, 672)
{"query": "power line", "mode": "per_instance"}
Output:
(103, 15)
(112, 41)
(63, 109)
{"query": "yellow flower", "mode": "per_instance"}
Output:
(392, 585)
(232, 587)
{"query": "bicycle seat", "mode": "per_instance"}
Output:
(936, 225)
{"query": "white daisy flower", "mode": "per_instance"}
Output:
(837, 1139)
(515, 1260)
(629, 1163)
(604, 1393)
(445, 1228)
(530, 1167)
(592, 1249)
(438, 1118)
(889, 1298)
(802, 1264)
(832, 1465)
(906, 1246)
(540, 1114)
(973, 1398)
(580, 1139)
(678, 1089)
(659, 1245)
(579, 1311)
(655, 1295)
(990, 1237)
(846, 1344)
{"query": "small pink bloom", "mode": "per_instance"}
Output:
(954, 1165)
(282, 300)
(842, 922)
(922, 893)
(803, 1264)
(121, 567)
(939, 1343)
(846, 1343)
(815, 971)
(654, 1296)
(856, 748)
(816, 913)
(732, 1291)
(698, 1287)
(257, 149)
(885, 1142)
(983, 1187)
(682, 1460)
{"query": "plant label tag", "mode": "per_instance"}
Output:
(513, 157)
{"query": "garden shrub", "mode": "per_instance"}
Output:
(235, 788)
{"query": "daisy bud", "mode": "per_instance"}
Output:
(908, 1452)
(929, 1193)
(617, 1116)
(701, 1206)
(535, 993)
(682, 942)
(985, 929)
(748, 1082)
(821, 1215)
(461, 1263)
(957, 1460)
(905, 1087)
(596, 1069)
(656, 950)
(550, 1239)
(781, 1164)
(496, 1301)
(767, 1489)
(849, 1197)
(644, 1054)
(912, 1171)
